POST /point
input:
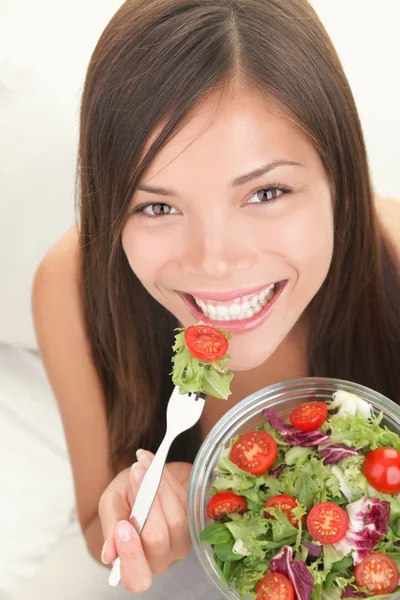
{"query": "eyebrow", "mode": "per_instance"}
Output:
(235, 183)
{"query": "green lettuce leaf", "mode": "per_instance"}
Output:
(193, 375)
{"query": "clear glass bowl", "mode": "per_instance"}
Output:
(247, 415)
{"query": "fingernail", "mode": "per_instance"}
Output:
(138, 472)
(143, 455)
(124, 531)
(104, 550)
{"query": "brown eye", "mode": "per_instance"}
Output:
(161, 209)
(268, 195)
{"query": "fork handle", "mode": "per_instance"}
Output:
(145, 497)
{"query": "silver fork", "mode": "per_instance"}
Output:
(183, 411)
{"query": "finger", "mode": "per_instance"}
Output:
(144, 456)
(175, 516)
(155, 534)
(135, 571)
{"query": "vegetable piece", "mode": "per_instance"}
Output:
(335, 452)
(286, 503)
(314, 550)
(310, 416)
(294, 436)
(351, 404)
(382, 470)
(205, 342)
(327, 522)
(190, 374)
(225, 502)
(296, 571)
(378, 573)
(254, 452)
(274, 586)
(369, 522)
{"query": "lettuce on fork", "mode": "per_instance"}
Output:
(192, 374)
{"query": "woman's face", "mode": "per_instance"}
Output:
(232, 225)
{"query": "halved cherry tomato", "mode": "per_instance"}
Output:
(382, 469)
(378, 573)
(285, 503)
(274, 586)
(327, 522)
(254, 452)
(308, 417)
(225, 502)
(205, 342)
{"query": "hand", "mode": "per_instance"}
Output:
(165, 536)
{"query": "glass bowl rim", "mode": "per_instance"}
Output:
(248, 406)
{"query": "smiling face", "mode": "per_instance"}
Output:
(246, 253)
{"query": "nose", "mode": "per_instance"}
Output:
(216, 250)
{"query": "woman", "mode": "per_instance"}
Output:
(222, 163)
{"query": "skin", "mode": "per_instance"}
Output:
(217, 241)
(218, 238)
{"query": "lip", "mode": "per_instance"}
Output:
(244, 325)
(225, 296)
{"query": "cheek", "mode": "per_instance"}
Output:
(306, 240)
(143, 251)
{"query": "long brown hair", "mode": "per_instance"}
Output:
(156, 60)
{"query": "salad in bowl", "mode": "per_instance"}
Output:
(295, 495)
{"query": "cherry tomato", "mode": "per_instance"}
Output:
(308, 417)
(205, 342)
(378, 573)
(225, 502)
(285, 503)
(274, 586)
(254, 452)
(382, 469)
(327, 522)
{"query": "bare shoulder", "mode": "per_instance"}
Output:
(389, 213)
(66, 354)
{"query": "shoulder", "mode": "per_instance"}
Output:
(61, 259)
(389, 213)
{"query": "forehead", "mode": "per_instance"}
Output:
(222, 139)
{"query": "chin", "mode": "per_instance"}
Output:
(245, 357)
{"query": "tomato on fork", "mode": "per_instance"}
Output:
(205, 342)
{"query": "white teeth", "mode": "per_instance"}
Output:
(211, 310)
(222, 311)
(238, 310)
(234, 310)
(254, 301)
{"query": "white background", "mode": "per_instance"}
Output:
(44, 49)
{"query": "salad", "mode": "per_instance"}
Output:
(309, 508)
(200, 361)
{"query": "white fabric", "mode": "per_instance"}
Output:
(36, 489)
(69, 573)
(43, 554)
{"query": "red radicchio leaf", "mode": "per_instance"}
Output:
(369, 522)
(296, 571)
(332, 454)
(295, 437)
(350, 592)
